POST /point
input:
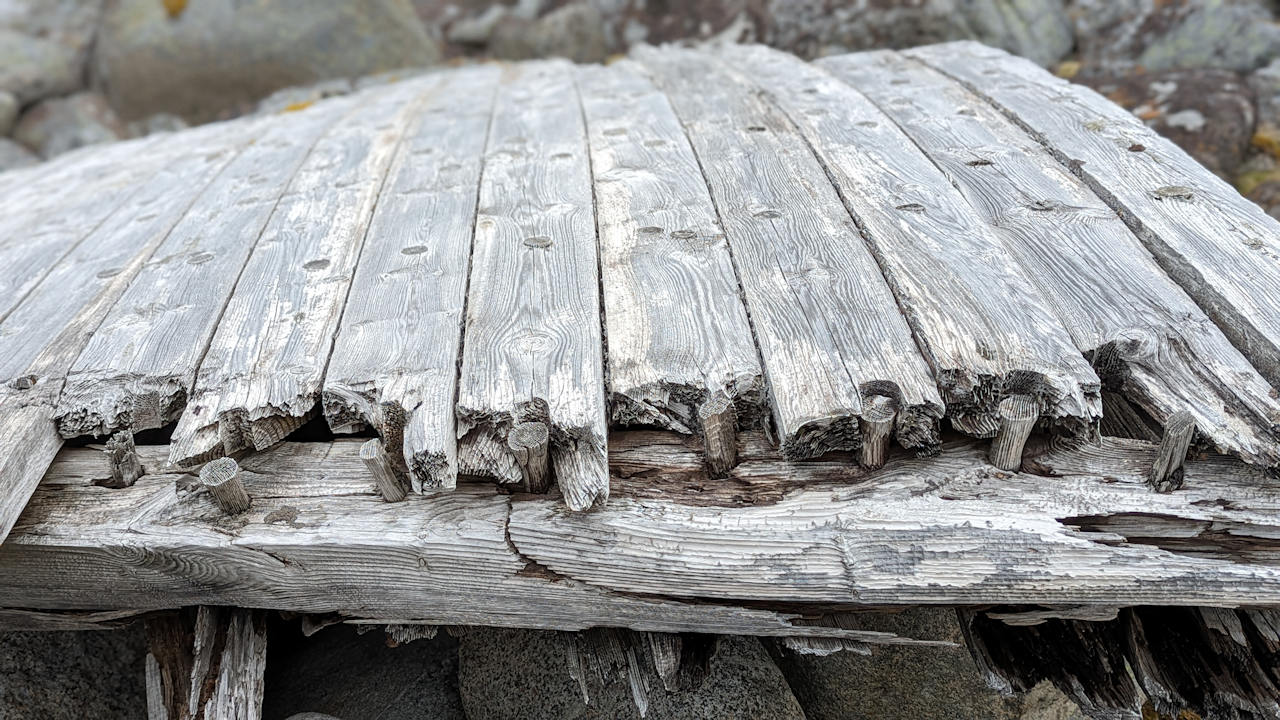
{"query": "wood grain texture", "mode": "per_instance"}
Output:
(827, 325)
(398, 371)
(673, 551)
(1221, 248)
(1147, 338)
(267, 359)
(984, 327)
(139, 367)
(678, 332)
(207, 663)
(533, 349)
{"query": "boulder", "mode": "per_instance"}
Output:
(506, 673)
(575, 31)
(1208, 113)
(9, 107)
(69, 23)
(905, 683)
(207, 59)
(52, 127)
(158, 123)
(14, 156)
(32, 69)
(94, 675)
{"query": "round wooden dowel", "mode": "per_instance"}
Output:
(1166, 471)
(878, 413)
(1018, 415)
(222, 478)
(393, 485)
(529, 443)
(719, 433)
(122, 459)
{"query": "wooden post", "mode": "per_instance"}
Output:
(529, 443)
(391, 482)
(206, 664)
(878, 414)
(1018, 415)
(719, 433)
(122, 456)
(1166, 471)
(222, 478)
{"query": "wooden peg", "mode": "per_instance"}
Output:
(1018, 415)
(222, 478)
(1166, 471)
(878, 414)
(391, 482)
(719, 433)
(529, 443)
(122, 458)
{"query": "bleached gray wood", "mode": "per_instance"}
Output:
(392, 483)
(529, 443)
(267, 358)
(719, 423)
(221, 478)
(122, 460)
(207, 665)
(1147, 338)
(239, 683)
(877, 424)
(984, 327)
(28, 443)
(1166, 471)
(1018, 415)
(1221, 248)
(669, 553)
(38, 620)
(677, 329)
(398, 371)
(532, 348)
(138, 369)
(828, 327)
(155, 690)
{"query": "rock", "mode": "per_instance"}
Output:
(219, 56)
(574, 31)
(1037, 29)
(8, 112)
(96, 675)
(910, 683)
(52, 127)
(14, 156)
(1208, 113)
(32, 69)
(1265, 191)
(69, 23)
(160, 122)
(340, 673)
(505, 673)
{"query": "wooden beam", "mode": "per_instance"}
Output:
(206, 663)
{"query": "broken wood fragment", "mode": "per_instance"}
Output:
(122, 460)
(222, 478)
(719, 433)
(1018, 415)
(1166, 471)
(391, 482)
(206, 663)
(878, 414)
(529, 443)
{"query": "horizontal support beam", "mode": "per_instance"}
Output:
(772, 549)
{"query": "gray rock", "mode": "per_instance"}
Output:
(9, 107)
(14, 156)
(32, 68)
(506, 673)
(52, 127)
(1265, 83)
(73, 675)
(574, 31)
(220, 56)
(910, 683)
(160, 122)
(69, 23)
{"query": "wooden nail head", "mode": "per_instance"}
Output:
(222, 478)
(1018, 415)
(392, 483)
(529, 442)
(878, 414)
(719, 433)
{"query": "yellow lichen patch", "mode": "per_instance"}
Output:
(1267, 139)
(174, 7)
(295, 107)
(614, 58)
(1247, 182)
(1067, 69)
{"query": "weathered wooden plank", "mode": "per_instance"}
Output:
(673, 551)
(1221, 248)
(984, 327)
(828, 327)
(398, 370)
(532, 349)
(262, 374)
(678, 332)
(139, 367)
(207, 664)
(1147, 338)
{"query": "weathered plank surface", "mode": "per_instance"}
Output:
(139, 367)
(1148, 339)
(533, 349)
(827, 325)
(984, 327)
(206, 663)
(398, 370)
(672, 551)
(1221, 248)
(677, 330)
(262, 374)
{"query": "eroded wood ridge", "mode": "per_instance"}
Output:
(122, 460)
(827, 325)
(265, 363)
(1221, 248)
(532, 348)
(677, 329)
(206, 663)
(139, 367)
(982, 325)
(398, 371)
(1148, 339)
